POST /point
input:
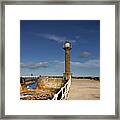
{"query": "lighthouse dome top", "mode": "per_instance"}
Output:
(67, 44)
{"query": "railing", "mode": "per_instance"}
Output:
(63, 93)
(29, 76)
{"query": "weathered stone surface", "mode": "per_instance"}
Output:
(84, 90)
(46, 88)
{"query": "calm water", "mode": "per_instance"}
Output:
(32, 86)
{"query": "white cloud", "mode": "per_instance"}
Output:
(90, 64)
(85, 54)
(58, 62)
(53, 37)
(34, 65)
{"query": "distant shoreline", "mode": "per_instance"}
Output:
(74, 77)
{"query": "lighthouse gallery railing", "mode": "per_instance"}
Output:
(63, 92)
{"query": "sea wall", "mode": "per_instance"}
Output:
(55, 83)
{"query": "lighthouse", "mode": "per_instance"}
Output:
(67, 47)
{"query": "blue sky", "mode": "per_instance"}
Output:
(41, 43)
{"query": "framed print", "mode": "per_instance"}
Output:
(60, 59)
